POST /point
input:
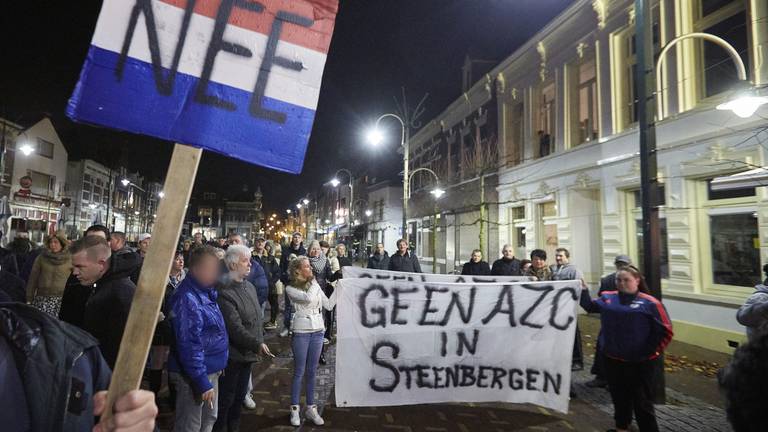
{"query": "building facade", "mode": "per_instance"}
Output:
(35, 169)
(383, 216)
(90, 186)
(568, 139)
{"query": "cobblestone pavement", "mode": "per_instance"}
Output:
(590, 411)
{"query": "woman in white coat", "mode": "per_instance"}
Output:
(308, 328)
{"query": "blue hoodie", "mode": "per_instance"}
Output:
(634, 328)
(201, 345)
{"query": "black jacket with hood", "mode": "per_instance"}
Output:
(378, 261)
(60, 369)
(106, 310)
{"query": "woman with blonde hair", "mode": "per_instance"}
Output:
(49, 275)
(308, 328)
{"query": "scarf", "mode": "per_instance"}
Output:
(57, 258)
(318, 264)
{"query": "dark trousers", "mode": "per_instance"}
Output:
(577, 359)
(631, 387)
(274, 306)
(328, 318)
(233, 385)
(598, 367)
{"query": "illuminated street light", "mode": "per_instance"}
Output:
(125, 182)
(305, 201)
(92, 206)
(437, 192)
(136, 213)
(27, 149)
(288, 211)
(335, 182)
(744, 106)
(368, 213)
(274, 215)
(374, 137)
(298, 206)
(161, 194)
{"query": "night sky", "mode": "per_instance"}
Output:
(378, 47)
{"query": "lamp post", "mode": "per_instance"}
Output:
(335, 183)
(437, 193)
(375, 137)
(744, 106)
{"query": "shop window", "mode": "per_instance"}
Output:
(735, 243)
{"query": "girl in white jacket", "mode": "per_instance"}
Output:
(308, 329)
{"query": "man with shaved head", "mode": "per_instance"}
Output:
(106, 310)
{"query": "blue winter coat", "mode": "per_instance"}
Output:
(200, 345)
(633, 328)
(258, 278)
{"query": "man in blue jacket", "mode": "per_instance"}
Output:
(200, 349)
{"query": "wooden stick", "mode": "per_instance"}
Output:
(145, 307)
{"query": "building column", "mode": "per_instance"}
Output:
(758, 16)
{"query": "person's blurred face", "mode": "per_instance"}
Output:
(144, 245)
(206, 271)
(476, 257)
(54, 245)
(259, 246)
(508, 253)
(626, 282)
(198, 238)
(325, 250)
(402, 247)
(296, 239)
(88, 271)
(538, 263)
(341, 250)
(560, 258)
(243, 266)
(235, 240)
(221, 241)
(526, 267)
(315, 251)
(116, 243)
(178, 263)
(305, 270)
(380, 249)
(187, 245)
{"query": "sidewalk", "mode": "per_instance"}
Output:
(590, 411)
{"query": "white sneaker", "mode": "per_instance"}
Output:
(326, 341)
(248, 401)
(312, 414)
(295, 417)
(284, 332)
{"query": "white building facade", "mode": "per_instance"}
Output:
(90, 186)
(567, 128)
(37, 163)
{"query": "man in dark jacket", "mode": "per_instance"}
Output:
(402, 261)
(380, 258)
(242, 314)
(341, 255)
(476, 266)
(271, 268)
(106, 311)
(76, 295)
(60, 381)
(296, 247)
(507, 265)
(608, 282)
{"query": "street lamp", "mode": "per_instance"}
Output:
(368, 213)
(298, 206)
(125, 182)
(437, 192)
(161, 194)
(288, 211)
(335, 182)
(27, 149)
(743, 105)
(375, 137)
(305, 201)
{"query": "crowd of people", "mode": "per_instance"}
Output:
(222, 296)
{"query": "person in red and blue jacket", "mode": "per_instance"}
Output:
(635, 330)
(200, 347)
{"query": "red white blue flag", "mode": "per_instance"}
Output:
(238, 77)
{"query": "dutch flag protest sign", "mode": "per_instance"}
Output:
(238, 77)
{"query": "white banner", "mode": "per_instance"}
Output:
(405, 343)
(351, 272)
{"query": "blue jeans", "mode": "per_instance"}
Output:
(306, 356)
